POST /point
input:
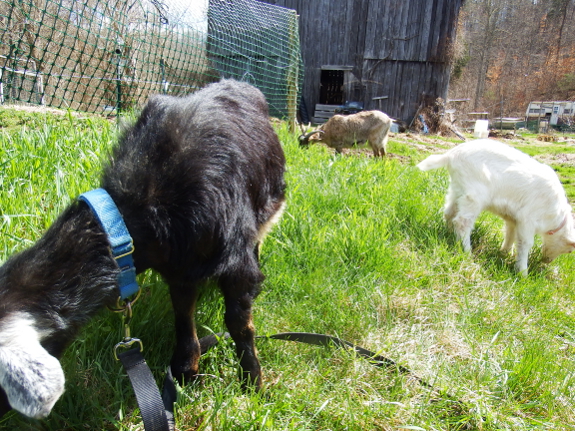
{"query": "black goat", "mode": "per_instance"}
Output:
(199, 181)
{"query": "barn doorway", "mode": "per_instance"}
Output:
(334, 91)
(331, 87)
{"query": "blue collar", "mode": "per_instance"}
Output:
(111, 220)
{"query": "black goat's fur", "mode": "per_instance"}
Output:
(197, 181)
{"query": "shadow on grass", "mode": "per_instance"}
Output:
(456, 415)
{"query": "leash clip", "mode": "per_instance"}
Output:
(126, 344)
(128, 341)
(122, 305)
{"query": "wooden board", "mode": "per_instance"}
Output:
(323, 113)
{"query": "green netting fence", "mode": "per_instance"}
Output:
(110, 55)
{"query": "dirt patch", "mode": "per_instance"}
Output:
(40, 109)
(424, 143)
(553, 159)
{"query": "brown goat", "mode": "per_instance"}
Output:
(345, 131)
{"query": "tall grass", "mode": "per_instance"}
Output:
(361, 253)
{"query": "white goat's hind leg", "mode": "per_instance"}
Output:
(510, 234)
(523, 245)
(467, 212)
(451, 207)
(449, 212)
(463, 227)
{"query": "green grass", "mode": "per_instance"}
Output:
(554, 154)
(362, 253)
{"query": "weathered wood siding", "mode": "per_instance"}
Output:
(396, 48)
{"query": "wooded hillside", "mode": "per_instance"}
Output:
(510, 52)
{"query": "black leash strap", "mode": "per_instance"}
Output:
(323, 340)
(328, 340)
(147, 394)
(373, 358)
(158, 412)
(169, 397)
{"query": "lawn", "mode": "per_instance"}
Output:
(361, 253)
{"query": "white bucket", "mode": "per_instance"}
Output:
(481, 130)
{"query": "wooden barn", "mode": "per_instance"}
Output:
(391, 55)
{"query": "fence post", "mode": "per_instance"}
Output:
(118, 80)
(163, 72)
(292, 77)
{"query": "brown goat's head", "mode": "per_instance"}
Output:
(305, 139)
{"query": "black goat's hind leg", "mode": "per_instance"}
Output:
(238, 317)
(186, 357)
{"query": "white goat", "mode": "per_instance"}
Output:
(489, 175)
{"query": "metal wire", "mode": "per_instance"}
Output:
(107, 56)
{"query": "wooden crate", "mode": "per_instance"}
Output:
(323, 113)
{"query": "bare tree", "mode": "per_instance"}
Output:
(514, 51)
(488, 16)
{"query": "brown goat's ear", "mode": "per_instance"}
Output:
(32, 379)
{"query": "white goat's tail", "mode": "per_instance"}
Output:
(434, 162)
